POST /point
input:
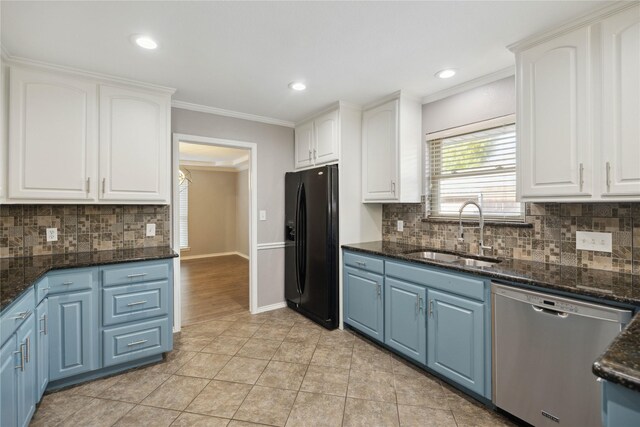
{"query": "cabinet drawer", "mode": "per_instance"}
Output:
(42, 289)
(133, 273)
(126, 343)
(436, 279)
(364, 262)
(134, 302)
(13, 317)
(71, 281)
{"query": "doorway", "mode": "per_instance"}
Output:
(214, 228)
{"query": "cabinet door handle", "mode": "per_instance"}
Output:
(21, 316)
(310, 155)
(130, 276)
(131, 304)
(421, 307)
(581, 176)
(88, 184)
(131, 344)
(21, 365)
(379, 289)
(417, 303)
(393, 187)
(430, 308)
(28, 346)
(104, 183)
(608, 177)
(315, 153)
(43, 321)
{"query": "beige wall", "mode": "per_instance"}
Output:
(212, 212)
(242, 212)
(275, 157)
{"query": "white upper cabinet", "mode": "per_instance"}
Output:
(391, 151)
(578, 109)
(303, 145)
(317, 140)
(52, 136)
(553, 117)
(621, 104)
(134, 145)
(76, 138)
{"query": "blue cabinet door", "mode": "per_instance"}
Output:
(9, 359)
(27, 375)
(42, 347)
(456, 339)
(363, 308)
(405, 325)
(73, 334)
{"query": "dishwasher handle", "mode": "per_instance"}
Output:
(545, 310)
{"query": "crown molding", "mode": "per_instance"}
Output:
(229, 113)
(572, 24)
(471, 84)
(27, 62)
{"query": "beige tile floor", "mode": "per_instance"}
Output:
(276, 369)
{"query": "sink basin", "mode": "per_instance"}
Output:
(471, 262)
(453, 259)
(436, 256)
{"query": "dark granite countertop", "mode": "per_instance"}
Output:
(18, 274)
(621, 361)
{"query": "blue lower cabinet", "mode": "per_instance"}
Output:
(405, 319)
(620, 405)
(42, 347)
(363, 302)
(26, 387)
(9, 359)
(456, 339)
(73, 330)
(134, 341)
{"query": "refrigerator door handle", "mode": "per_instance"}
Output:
(302, 238)
(297, 238)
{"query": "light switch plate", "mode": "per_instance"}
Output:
(400, 225)
(151, 230)
(52, 234)
(592, 241)
(263, 215)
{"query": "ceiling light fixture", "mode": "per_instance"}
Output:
(145, 42)
(297, 86)
(445, 74)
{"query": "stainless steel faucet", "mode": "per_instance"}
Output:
(481, 246)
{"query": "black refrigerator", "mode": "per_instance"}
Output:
(311, 244)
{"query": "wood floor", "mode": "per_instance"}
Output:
(213, 288)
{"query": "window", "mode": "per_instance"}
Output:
(475, 162)
(184, 211)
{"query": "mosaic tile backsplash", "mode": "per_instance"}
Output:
(81, 228)
(550, 237)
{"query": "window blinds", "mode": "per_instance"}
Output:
(184, 213)
(480, 166)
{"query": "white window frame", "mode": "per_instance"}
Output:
(457, 131)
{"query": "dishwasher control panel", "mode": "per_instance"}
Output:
(552, 304)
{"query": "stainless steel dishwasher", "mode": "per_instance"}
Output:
(543, 349)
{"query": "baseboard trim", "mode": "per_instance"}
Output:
(186, 258)
(271, 307)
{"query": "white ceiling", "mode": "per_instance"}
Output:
(241, 55)
(209, 156)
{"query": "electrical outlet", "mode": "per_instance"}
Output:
(52, 234)
(263, 215)
(400, 225)
(151, 230)
(592, 241)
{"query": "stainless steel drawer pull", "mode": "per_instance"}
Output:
(136, 275)
(23, 315)
(21, 365)
(28, 344)
(131, 344)
(131, 304)
(45, 289)
(361, 263)
(43, 320)
(67, 283)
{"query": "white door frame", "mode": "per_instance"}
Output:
(253, 220)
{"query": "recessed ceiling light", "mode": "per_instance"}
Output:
(445, 74)
(145, 42)
(297, 86)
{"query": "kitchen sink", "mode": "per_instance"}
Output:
(453, 259)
